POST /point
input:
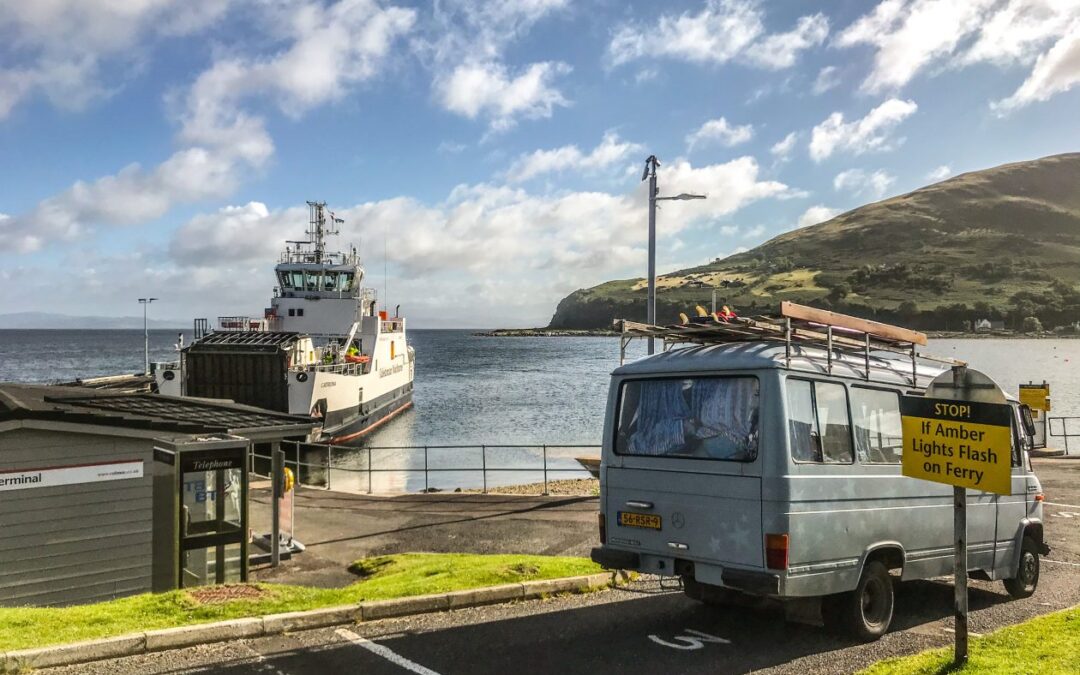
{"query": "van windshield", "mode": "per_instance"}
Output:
(698, 417)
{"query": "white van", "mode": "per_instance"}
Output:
(770, 466)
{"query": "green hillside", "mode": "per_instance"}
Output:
(1002, 243)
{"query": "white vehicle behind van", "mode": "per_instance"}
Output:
(764, 460)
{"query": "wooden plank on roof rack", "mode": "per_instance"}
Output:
(827, 318)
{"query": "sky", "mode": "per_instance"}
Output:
(486, 156)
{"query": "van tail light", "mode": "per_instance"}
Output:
(603, 529)
(1039, 497)
(776, 551)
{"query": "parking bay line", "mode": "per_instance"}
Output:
(1069, 506)
(1060, 562)
(385, 652)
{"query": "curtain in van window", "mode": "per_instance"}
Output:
(658, 420)
(802, 423)
(725, 416)
(878, 433)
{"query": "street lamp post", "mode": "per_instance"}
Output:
(650, 173)
(146, 335)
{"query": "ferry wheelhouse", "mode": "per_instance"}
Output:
(322, 348)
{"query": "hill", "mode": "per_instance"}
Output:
(1001, 243)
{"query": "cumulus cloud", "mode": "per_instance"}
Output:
(722, 31)
(863, 183)
(548, 243)
(493, 91)
(818, 213)
(719, 131)
(611, 150)
(782, 148)
(464, 48)
(870, 133)
(912, 36)
(1056, 71)
(330, 49)
(827, 78)
(61, 48)
(754, 232)
(781, 50)
(940, 173)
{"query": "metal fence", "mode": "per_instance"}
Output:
(1069, 427)
(394, 469)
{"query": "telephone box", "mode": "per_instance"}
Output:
(200, 511)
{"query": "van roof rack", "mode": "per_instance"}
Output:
(794, 325)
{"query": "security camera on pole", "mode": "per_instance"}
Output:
(650, 173)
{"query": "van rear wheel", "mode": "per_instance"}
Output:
(866, 612)
(1026, 579)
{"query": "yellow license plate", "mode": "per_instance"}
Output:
(645, 520)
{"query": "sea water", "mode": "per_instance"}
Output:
(497, 391)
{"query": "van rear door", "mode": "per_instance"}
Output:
(682, 473)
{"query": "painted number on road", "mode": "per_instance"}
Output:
(694, 639)
(1067, 514)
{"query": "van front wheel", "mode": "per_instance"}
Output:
(1023, 584)
(866, 612)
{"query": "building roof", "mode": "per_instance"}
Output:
(885, 367)
(153, 412)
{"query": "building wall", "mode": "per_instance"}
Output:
(74, 543)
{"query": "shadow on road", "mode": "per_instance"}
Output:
(641, 634)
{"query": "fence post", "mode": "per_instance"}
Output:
(426, 485)
(298, 481)
(329, 463)
(369, 470)
(545, 472)
(483, 465)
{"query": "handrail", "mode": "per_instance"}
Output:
(329, 466)
(1064, 429)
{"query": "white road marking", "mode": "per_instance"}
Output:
(385, 652)
(1071, 506)
(689, 643)
(1060, 562)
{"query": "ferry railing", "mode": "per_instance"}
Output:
(1066, 430)
(315, 465)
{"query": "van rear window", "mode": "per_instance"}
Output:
(698, 417)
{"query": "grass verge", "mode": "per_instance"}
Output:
(384, 577)
(1047, 644)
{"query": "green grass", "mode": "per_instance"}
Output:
(1047, 644)
(382, 578)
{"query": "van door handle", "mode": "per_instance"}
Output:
(639, 505)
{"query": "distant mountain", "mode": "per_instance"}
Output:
(44, 320)
(1002, 243)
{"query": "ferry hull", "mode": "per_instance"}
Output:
(355, 426)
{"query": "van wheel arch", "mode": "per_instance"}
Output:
(891, 555)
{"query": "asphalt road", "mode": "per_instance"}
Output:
(641, 629)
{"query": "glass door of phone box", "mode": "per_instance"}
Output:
(201, 512)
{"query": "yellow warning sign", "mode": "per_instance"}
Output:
(962, 443)
(1036, 397)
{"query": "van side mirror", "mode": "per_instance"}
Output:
(1029, 421)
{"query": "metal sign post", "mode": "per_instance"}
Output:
(960, 434)
(960, 578)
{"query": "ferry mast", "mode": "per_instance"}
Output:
(317, 231)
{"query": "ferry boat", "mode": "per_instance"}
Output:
(322, 348)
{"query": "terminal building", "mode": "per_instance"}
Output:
(104, 495)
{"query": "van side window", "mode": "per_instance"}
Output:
(819, 428)
(875, 415)
(698, 417)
